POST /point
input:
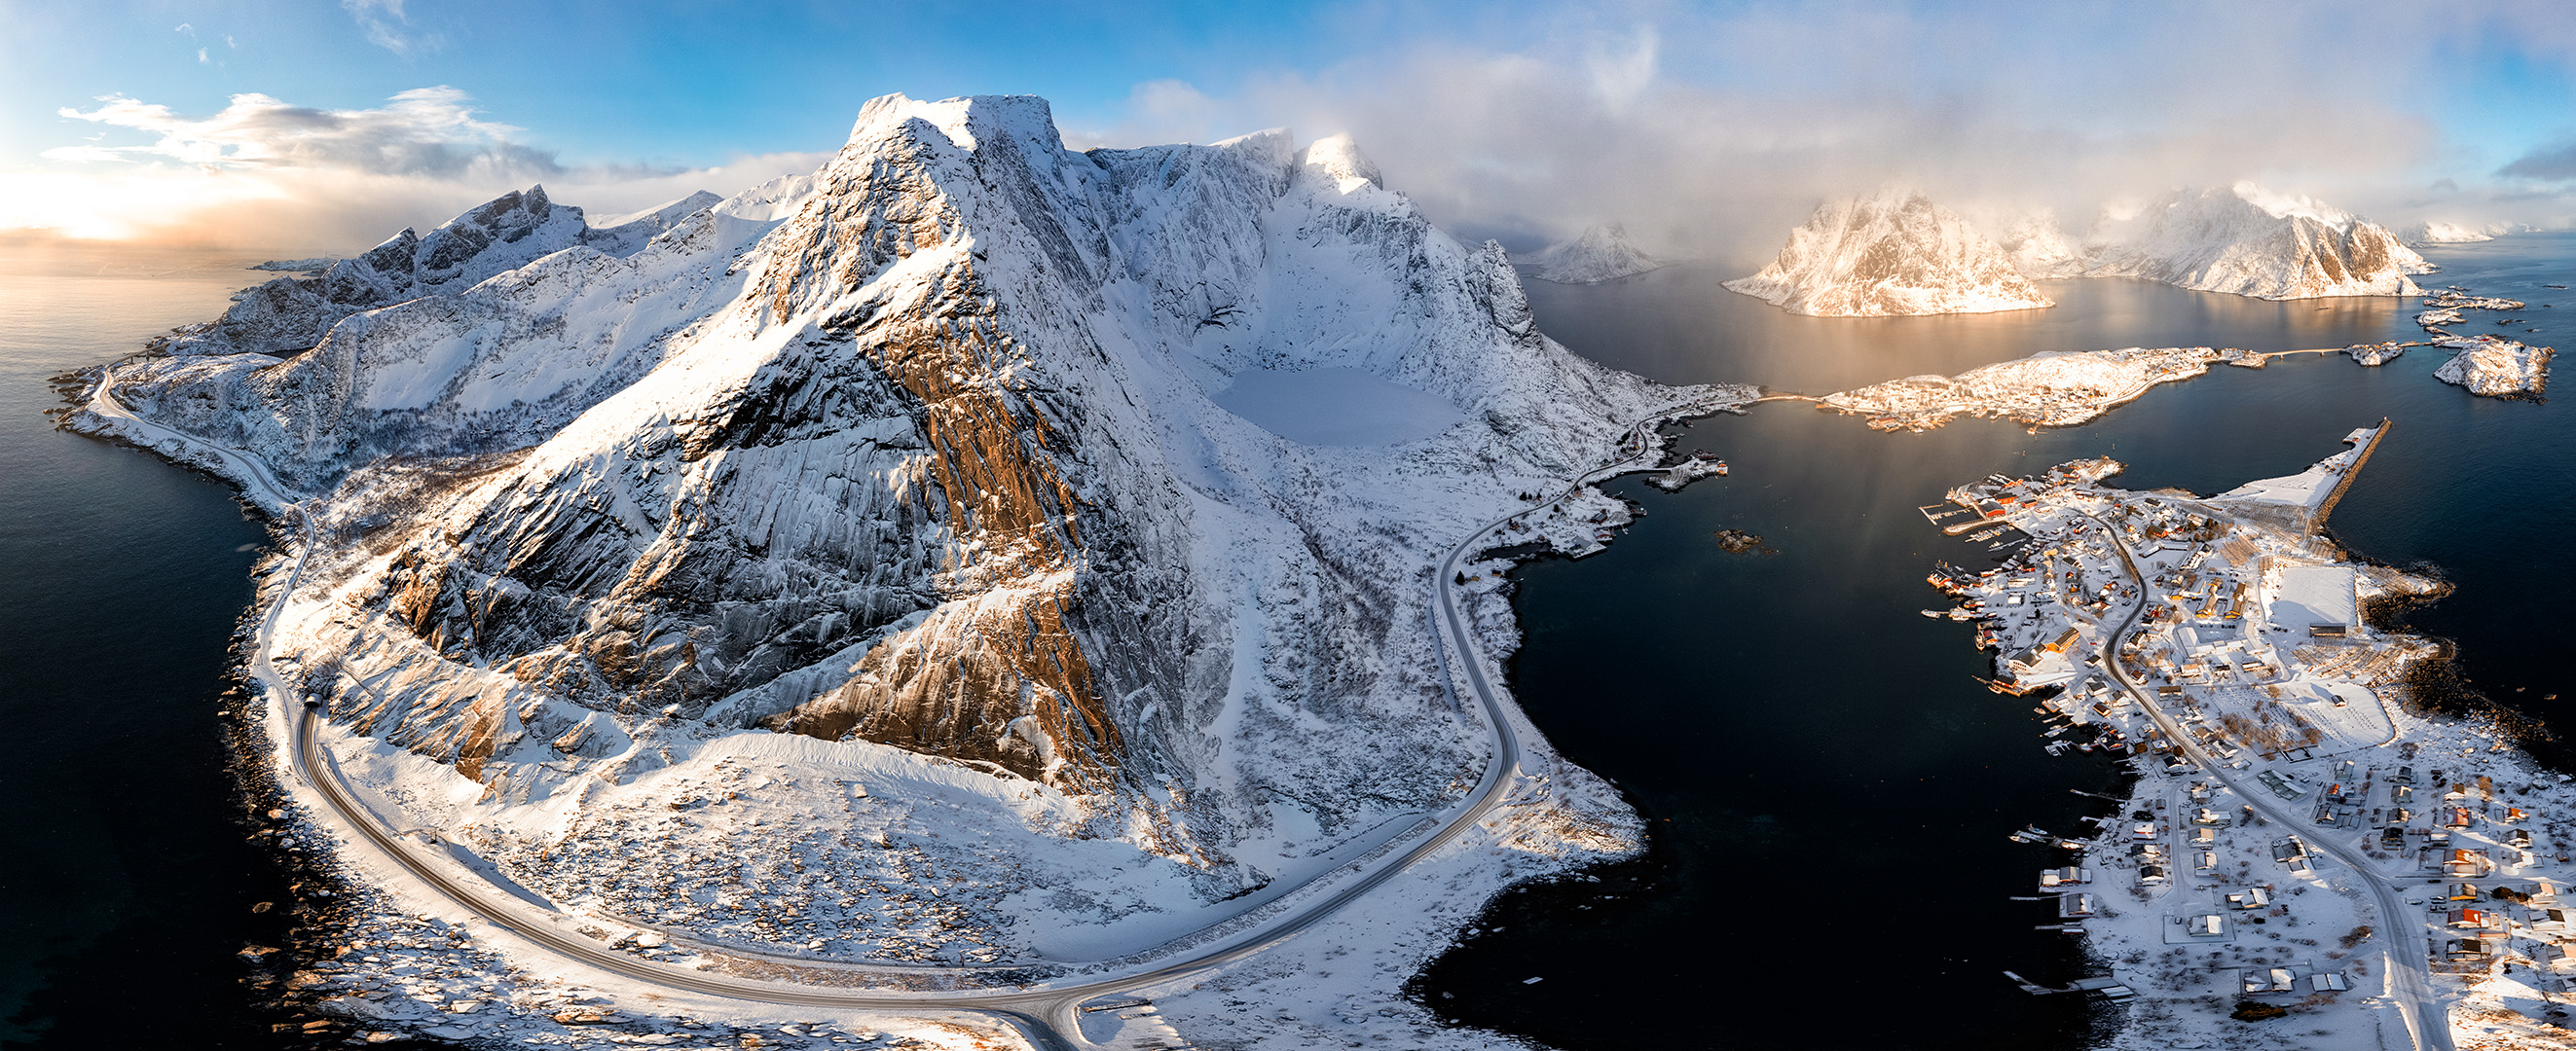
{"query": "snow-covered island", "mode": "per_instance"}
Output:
(2435, 232)
(2048, 389)
(1602, 253)
(976, 569)
(1898, 252)
(2305, 847)
(1891, 253)
(2239, 239)
(2495, 367)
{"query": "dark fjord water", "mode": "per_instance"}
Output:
(127, 885)
(1828, 789)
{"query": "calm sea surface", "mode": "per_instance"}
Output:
(126, 885)
(1829, 791)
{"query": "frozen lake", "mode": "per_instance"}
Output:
(1337, 406)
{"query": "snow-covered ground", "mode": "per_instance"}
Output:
(1893, 252)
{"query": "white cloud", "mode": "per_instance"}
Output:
(425, 131)
(1715, 130)
(267, 174)
(1159, 112)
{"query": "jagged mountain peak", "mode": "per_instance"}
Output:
(2246, 240)
(1892, 251)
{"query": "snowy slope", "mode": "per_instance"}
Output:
(1894, 252)
(2441, 233)
(917, 471)
(1603, 253)
(2495, 367)
(2239, 239)
(290, 314)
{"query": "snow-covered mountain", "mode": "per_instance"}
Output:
(2440, 233)
(1893, 252)
(291, 314)
(2238, 239)
(921, 458)
(1603, 253)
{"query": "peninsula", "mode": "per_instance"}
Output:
(2302, 838)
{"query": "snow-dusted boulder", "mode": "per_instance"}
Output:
(2495, 367)
(1603, 253)
(1894, 252)
(2239, 239)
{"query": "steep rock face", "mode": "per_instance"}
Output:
(1895, 252)
(919, 451)
(1603, 253)
(2242, 241)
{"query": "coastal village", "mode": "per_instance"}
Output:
(2306, 855)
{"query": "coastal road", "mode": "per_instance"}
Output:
(2426, 1020)
(248, 471)
(1045, 1014)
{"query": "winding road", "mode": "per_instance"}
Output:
(1046, 1014)
(2427, 1023)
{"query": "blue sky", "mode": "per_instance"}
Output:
(682, 83)
(1695, 122)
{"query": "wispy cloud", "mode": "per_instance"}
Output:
(425, 131)
(388, 27)
(265, 173)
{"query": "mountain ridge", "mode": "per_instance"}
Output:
(919, 454)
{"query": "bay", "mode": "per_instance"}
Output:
(1827, 788)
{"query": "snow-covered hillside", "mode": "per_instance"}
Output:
(290, 314)
(2495, 367)
(1603, 253)
(2239, 239)
(2441, 233)
(1894, 252)
(917, 472)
